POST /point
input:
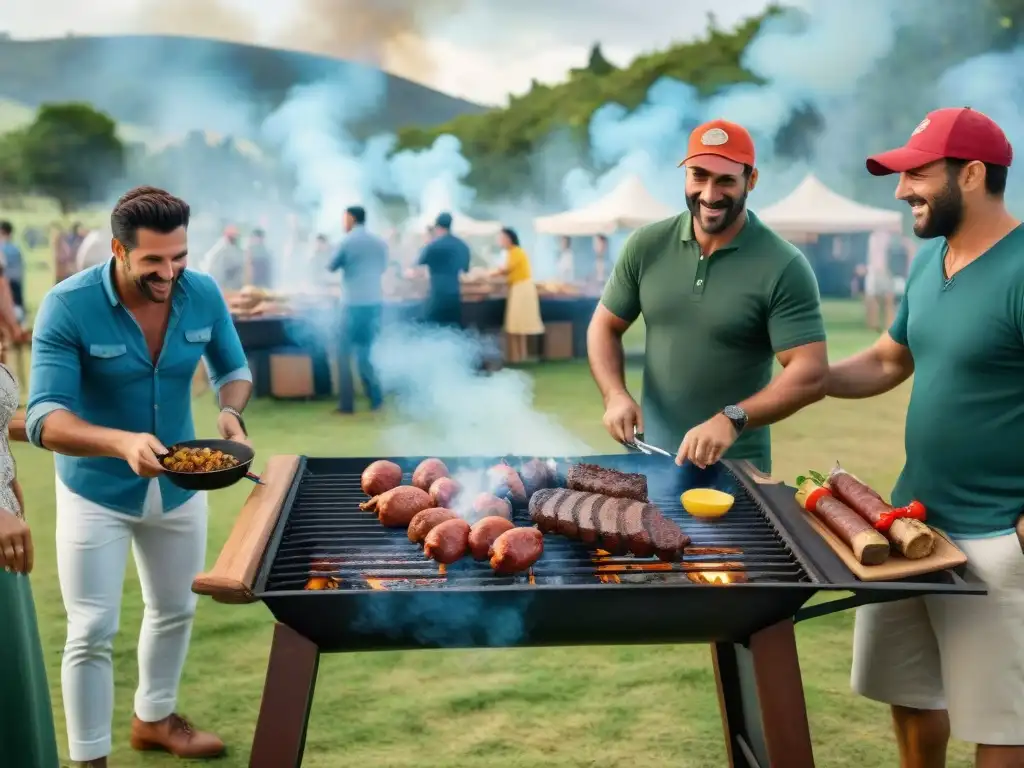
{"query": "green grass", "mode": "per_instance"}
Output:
(564, 708)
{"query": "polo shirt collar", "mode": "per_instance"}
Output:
(753, 225)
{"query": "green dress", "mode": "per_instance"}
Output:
(27, 736)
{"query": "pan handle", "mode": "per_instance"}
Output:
(254, 477)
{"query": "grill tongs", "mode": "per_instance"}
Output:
(647, 448)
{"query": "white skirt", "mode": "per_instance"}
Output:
(522, 310)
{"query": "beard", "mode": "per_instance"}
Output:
(943, 214)
(731, 207)
(145, 284)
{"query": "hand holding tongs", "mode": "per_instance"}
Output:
(647, 448)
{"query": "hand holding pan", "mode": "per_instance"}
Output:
(218, 478)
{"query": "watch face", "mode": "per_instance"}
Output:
(734, 412)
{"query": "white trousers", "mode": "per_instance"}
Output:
(92, 553)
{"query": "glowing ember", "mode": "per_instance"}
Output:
(532, 578)
(716, 577)
(320, 583)
(697, 551)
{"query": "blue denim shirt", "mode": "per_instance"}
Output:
(364, 259)
(89, 357)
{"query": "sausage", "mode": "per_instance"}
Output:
(381, 476)
(487, 504)
(537, 475)
(858, 496)
(426, 520)
(427, 472)
(444, 490)
(516, 550)
(396, 508)
(483, 534)
(869, 547)
(448, 541)
(505, 481)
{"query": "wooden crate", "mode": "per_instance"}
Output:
(558, 341)
(291, 375)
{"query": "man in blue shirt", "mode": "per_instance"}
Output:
(446, 257)
(363, 259)
(14, 267)
(114, 351)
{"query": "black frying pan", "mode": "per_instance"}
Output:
(221, 478)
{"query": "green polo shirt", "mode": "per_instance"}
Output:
(964, 436)
(714, 323)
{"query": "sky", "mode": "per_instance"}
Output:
(480, 50)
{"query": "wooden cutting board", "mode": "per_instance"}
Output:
(945, 556)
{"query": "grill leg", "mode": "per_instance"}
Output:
(761, 696)
(280, 736)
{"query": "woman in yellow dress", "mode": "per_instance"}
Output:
(522, 308)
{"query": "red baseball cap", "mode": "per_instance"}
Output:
(959, 133)
(722, 139)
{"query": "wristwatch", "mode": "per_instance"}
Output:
(237, 415)
(737, 416)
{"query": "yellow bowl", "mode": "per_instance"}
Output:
(706, 502)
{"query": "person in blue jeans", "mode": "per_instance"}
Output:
(363, 259)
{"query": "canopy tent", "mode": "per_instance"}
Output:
(814, 209)
(628, 206)
(462, 225)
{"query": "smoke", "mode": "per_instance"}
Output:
(450, 410)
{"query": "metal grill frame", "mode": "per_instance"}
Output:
(643, 613)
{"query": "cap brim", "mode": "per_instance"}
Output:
(712, 161)
(899, 160)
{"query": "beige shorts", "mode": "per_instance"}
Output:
(963, 654)
(878, 284)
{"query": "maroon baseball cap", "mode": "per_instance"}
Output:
(959, 133)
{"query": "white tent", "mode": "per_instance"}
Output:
(462, 225)
(814, 209)
(628, 206)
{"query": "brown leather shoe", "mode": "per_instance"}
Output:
(176, 735)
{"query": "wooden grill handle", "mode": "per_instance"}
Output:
(756, 474)
(16, 427)
(232, 577)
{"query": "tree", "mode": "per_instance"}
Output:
(13, 178)
(72, 153)
(598, 64)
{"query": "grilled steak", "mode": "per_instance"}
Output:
(614, 524)
(667, 538)
(634, 528)
(586, 518)
(608, 482)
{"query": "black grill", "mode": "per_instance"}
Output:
(327, 538)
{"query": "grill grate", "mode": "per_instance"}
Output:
(328, 543)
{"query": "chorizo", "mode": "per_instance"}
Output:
(504, 481)
(516, 550)
(396, 508)
(427, 472)
(487, 504)
(444, 491)
(869, 547)
(426, 520)
(380, 476)
(448, 541)
(483, 534)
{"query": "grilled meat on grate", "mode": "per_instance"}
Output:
(380, 477)
(427, 472)
(397, 507)
(618, 525)
(448, 541)
(506, 482)
(608, 482)
(444, 490)
(425, 521)
(516, 550)
(484, 533)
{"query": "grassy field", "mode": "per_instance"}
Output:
(515, 709)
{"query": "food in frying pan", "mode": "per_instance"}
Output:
(483, 534)
(516, 550)
(427, 472)
(396, 508)
(381, 476)
(869, 547)
(902, 526)
(616, 524)
(608, 482)
(448, 541)
(444, 490)
(198, 460)
(424, 522)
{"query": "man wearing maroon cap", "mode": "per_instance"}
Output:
(722, 297)
(954, 664)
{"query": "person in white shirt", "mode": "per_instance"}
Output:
(879, 304)
(566, 266)
(95, 249)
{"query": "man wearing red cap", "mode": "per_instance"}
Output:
(722, 297)
(954, 664)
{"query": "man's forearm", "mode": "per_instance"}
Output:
(607, 362)
(796, 387)
(16, 427)
(863, 375)
(65, 433)
(235, 394)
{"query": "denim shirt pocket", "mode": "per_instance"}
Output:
(107, 351)
(199, 335)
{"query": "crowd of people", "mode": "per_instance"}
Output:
(723, 298)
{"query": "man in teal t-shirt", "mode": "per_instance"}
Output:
(954, 664)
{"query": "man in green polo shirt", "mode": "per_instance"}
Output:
(722, 297)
